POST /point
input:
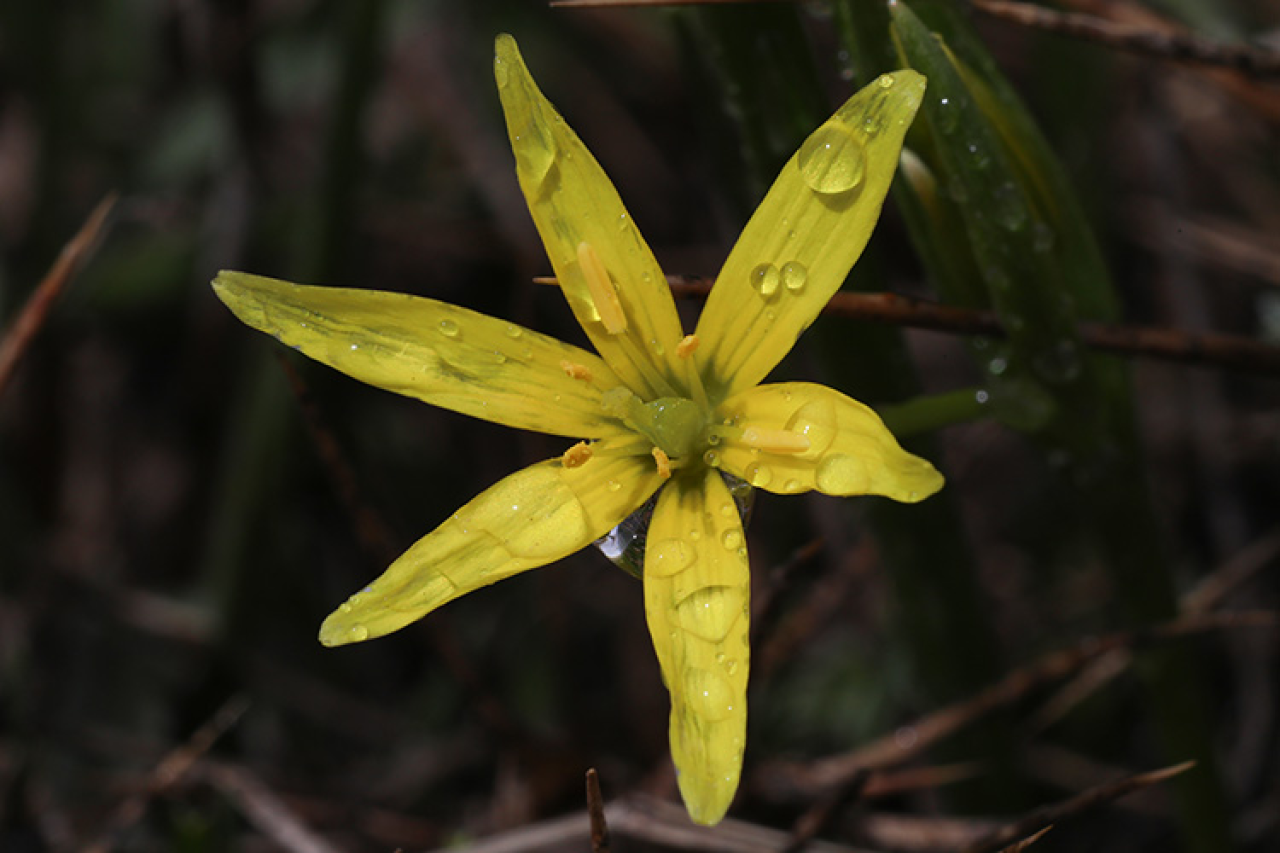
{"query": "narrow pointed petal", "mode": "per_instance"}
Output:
(804, 238)
(849, 452)
(436, 352)
(696, 597)
(574, 205)
(533, 517)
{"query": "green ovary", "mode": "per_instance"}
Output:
(675, 424)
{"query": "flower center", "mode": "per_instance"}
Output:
(675, 425)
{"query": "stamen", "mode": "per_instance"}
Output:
(687, 346)
(576, 456)
(779, 441)
(576, 371)
(546, 279)
(601, 289)
(664, 463)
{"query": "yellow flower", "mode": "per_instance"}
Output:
(656, 409)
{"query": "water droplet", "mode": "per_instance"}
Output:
(981, 397)
(997, 366)
(514, 331)
(885, 81)
(758, 475)
(839, 474)
(816, 421)
(711, 612)
(714, 439)
(732, 540)
(345, 607)
(448, 328)
(794, 276)
(668, 557)
(730, 666)
(708, 694)
(711, 458)
(791, 486)
(728, 510)
(500, 72)
(355, 347)
(613, 485)
(359, 633)
(831, 160)
(765, 279)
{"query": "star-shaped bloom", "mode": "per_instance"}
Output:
(654, 410)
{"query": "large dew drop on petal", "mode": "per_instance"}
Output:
(624, 545)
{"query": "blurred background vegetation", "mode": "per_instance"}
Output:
(181, 503)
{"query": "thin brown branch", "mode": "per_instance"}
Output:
(911, 740)
(1027, 842)
(32, 317)
(1201, 599)
(595, 811)
(169, 771)
(1159, 44)
(263, 808)
(1042, 818)
(1207, 350)
(819, 816)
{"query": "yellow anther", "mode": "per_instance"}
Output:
(601, 289)
(774, 440)
(664, 463)
(576, 456)
(546, 279)
(576, 371)
(687, 346)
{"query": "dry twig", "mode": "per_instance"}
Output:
(1037, 821)
(1159, 44)
(595, 811)
(909, 741)
(265, 810)
(19, 336)
(169, 771)
(819, 816)
(1207, 350)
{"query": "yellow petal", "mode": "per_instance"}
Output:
(805, 236)
(602, 263)
(849, 452)
(446, 355)
(533, 517)
(696, 597)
